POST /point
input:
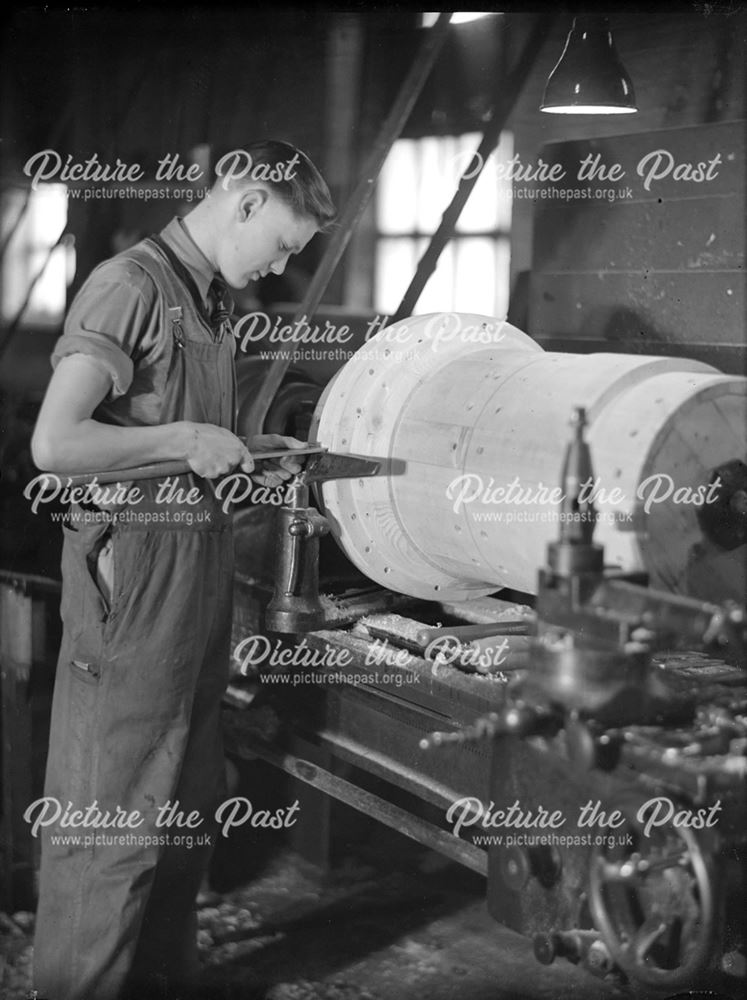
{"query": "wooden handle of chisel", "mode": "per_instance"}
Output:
(156, 470)
(159, 470)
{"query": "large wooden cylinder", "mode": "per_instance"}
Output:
(471, 418)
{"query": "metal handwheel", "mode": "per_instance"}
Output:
(653, 904)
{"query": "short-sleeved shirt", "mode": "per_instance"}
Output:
(115, 320)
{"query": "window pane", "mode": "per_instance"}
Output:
(503, 271)
(40, 226)
(438, 293)
(47, 214)
(475, 276)
(489, 205)
(437, 180)
(395, 266)
(503, 153)
(397, 192)
(47, 303)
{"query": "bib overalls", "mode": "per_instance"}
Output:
(135, 719)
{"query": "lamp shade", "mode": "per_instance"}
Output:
(589, 78)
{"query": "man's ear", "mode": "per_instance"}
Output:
(251, 202)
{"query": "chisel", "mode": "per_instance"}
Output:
(158, 470)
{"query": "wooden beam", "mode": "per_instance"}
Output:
(21, 639)
(372, 805)
(389, 133)
(509, 94)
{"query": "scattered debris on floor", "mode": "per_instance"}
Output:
(361, 932)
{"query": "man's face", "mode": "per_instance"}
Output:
(264, 235)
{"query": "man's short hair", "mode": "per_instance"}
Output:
(287, 171)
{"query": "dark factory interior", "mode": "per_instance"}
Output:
(444, 696)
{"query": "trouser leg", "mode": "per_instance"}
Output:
(166, 956)
(132, 730)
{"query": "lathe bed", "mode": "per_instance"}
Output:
(353, 728)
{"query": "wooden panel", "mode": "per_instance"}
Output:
(669, 307)
(687, 70)
(728, 358)
(695, 234)
(720, 147)
(664, 265)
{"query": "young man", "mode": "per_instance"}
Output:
(144, 372)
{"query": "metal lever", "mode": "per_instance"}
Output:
(517, 720)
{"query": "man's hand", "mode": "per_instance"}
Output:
(275, 471)
(213, 451)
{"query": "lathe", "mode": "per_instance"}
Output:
(539, 637)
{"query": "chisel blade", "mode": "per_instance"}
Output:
(331, 465)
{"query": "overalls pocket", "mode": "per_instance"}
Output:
(102, 569)
(88, 673)
(86, 604)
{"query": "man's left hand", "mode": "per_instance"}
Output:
(274, 471)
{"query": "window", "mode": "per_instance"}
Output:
(416, 184)
(429, 18)
(36, 226)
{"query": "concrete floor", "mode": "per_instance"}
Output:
(389, 921)
(415, 928)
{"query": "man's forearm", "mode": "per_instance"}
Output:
(68, 440)
(90, 446)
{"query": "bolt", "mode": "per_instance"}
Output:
(599, 959)
(734, 963)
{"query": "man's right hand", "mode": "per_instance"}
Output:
(213, 451)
